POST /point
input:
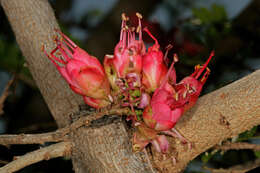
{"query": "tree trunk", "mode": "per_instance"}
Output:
(216, 117)
(104, 149)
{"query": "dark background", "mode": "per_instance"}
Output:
(230, 27)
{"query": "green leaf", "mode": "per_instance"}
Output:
(257, 154)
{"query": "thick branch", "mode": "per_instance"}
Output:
(222, 114)
(53, 151)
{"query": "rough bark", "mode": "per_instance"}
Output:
(217, 116)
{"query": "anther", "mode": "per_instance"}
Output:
(175, 58)
(124, 17)
(139, 15)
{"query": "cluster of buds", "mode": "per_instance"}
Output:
(132, 77)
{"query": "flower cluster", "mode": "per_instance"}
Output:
(132, 77)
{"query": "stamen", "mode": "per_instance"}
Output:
(169, 47)
(205, 76)
(176, 96)
(205, 65)
(52, 59)
(139, 28)
(149, 33)
(61, 49)
(69, 42)
(56, 58)
(109, 56)
(124, 36)
(139, 15)
(132, 34)
(184, 94)
(124, 19)
(128, 37)
(175, 59)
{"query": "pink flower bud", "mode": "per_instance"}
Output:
(144, 135)
(82, 71)
(145, 100)
(161, 144)
(154, 68)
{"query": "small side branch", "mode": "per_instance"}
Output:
(60, 134)
(53, 151)
(56, 136)
(5, 94)
(237, 146)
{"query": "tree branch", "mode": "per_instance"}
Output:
(5, 94)
(52, 151)
(60, 134)
(56, 136)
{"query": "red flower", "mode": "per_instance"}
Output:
(128, 53)
(194, 85)
(160, 115)
(154, 68)
(170, 100)
(83, 72)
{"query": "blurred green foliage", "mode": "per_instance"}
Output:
(205, 157)
(216, 14)
(247, 134)
(11, 58)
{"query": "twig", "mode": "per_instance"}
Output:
(60, 134)
(5, 94)
(56, 136)
(237, 168)
(53, 151)
(237, 146)
(3, 162)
